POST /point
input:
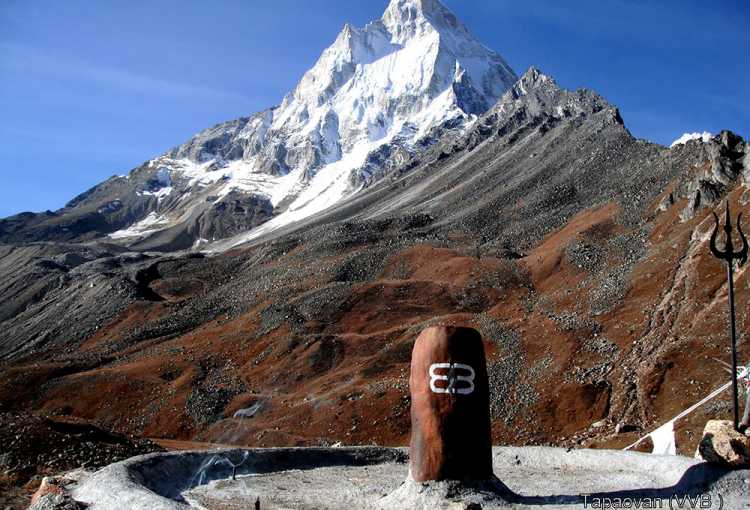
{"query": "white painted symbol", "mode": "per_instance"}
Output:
(452, 378)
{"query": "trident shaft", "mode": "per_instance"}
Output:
(729, 256)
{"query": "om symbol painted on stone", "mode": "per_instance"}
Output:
(452, 378)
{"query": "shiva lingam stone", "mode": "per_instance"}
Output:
(450, 418)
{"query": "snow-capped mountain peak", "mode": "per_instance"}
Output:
(393, 67)
(393, 83)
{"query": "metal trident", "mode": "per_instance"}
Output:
(729, 256)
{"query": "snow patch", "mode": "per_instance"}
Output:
(163, 176)
(329, 186)
(200, 242)
(148, 225)
(687, 137)
(160, 193)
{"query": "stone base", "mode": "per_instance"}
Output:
(538, 478)
(723, 445)
(449, 495)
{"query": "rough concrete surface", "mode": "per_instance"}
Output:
(372, 478)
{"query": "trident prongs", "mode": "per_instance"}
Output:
(729, 256)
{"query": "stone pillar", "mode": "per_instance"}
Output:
(450, 412)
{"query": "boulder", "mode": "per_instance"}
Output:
(721, 444)
(56, 502)
(450, 419)
(624, 428)
(52, 495)
(48, 486)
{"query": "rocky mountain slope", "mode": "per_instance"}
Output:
(579, 252)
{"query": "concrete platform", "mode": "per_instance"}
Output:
(372, 478)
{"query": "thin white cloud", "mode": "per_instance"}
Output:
(26, 59)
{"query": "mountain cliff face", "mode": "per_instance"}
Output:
(395, 84)
(522, 209)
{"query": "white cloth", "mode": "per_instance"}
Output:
(663, 439)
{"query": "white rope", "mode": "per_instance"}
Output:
(743, 373)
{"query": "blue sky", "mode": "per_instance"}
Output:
(91, 89)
